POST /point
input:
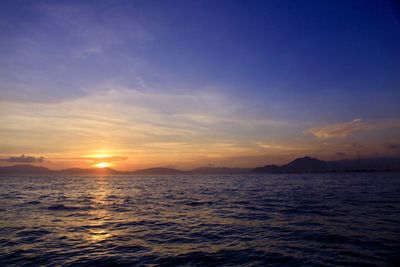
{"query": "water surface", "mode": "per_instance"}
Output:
(302, 219)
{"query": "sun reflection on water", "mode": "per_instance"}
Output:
(99, 235)
(100, 212)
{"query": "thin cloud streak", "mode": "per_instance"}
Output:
(23, 159)
(65, 48)
(156, 125)
(344, 129)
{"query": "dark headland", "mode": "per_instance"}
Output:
(299, 165)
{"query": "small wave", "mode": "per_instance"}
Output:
(61, 207)
(197, 203)
(226, 257)
(119, 209)
(32, 203)
(203, 221)
(33, 232)
(78, 214)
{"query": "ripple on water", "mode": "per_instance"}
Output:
(62, 207)
(34, 202)
(275, 220)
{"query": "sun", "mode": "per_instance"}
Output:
(102, 165)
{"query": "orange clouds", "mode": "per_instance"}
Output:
(344, 129)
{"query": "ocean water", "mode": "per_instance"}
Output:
(248, 220)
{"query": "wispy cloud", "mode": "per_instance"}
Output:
(271, 146)
(341, 154)
(24, 159)
(145, 123)
(60, 49)
(97, 158)
(392, 146)
(344, 129)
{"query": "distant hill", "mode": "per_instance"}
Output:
(218, 170)
(196, 171)
(267, 169)
(157, 171)
(305, 164)
(368, 164)
(308, 164)
(299, 165)
(28, 169)
(25, 169)
(90, 171)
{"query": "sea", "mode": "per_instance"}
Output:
(337, 219)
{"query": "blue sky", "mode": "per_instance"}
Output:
(255, 81)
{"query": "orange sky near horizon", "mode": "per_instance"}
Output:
(84, 83)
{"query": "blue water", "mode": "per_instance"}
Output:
(282, 220)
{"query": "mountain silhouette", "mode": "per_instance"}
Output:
(267, 169)
(28, 169)
(24, 169)
(157, 171)
(90, 171)
(218, 170)
(305, 164)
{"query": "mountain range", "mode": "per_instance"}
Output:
(306, 164)
(299, 165)
(29, 169)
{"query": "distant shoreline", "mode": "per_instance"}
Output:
(305, 165)
(55, 173)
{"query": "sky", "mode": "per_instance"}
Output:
(139, 84)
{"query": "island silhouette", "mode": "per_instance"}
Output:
(299, 165)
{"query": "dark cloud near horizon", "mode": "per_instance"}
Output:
(24, 159)
(340, 154)
(392, 146)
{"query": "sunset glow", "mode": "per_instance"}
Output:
(132, 90)
(102, 165)
(199, 132)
